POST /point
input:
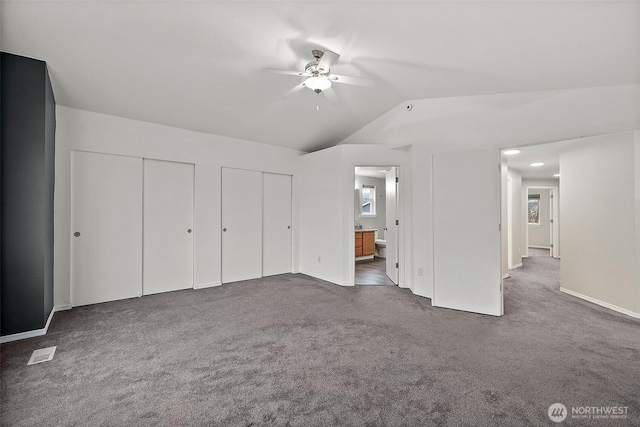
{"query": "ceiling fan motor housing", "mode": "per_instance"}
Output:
(312, 68)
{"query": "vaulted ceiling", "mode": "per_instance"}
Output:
(468, 68)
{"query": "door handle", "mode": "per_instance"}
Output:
(77, 234)
(288, 227)
(224, 229)
(188, 230)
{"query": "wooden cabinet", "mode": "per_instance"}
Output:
(358, 244)
(368, 243)
(365, 243)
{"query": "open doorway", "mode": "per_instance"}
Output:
(542, 237)
(376, 225)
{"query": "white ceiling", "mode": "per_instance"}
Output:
(471, 68)
(549, 154)
(372, 171)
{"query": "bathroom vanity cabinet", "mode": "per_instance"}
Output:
(365, 242)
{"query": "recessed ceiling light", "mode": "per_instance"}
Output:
(510, 152)
(537, 164)
(556, 175)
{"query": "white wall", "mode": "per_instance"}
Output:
(379, 221)
(87, 131)
(422, 220)
(636, 146)
(327, 233)
(326, 210)
(517, 236)
(540, 234)
(600, 212)
(504, 217)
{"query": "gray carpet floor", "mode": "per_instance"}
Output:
(292, 350)
(536, 252)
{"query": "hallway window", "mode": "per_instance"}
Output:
(368, 200)
(533, 211)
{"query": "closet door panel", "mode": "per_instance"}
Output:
(106, 227)
(276, 224)
(241, 225)
(168, 226)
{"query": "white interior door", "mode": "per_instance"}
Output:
(467, 240)
(241, 225)
(106, 223)
(276, 223)
(391, 235)
(168, 226)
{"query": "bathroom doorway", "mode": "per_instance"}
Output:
(376, 225)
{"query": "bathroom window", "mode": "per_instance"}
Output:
(368, 200)
(533, 209)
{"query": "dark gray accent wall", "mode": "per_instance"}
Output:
(27, 178)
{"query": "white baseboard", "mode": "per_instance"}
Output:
(601, 303)
(361, 258)
(23, 335)
(540, 247)
(506, 275)
(420, 294)
(316, 276)
(207, 285)
(36, 332)
(516, 266)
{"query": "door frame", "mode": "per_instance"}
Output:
(556, 223)
(349, 223)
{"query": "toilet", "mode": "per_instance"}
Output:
(381, 247)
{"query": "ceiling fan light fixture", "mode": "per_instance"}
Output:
(317, 83)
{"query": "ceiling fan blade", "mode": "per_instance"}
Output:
(328, 59)
(295, 89)
(360, 81)
(331, 95)
(290, 73)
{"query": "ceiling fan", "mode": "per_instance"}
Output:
(319, 76)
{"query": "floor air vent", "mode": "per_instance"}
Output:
(42, 355)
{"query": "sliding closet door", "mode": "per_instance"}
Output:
(168, 226)
(276, 245)
(241, 225)
(106, 227)
(466, 234)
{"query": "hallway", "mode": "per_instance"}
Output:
(537, 280)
